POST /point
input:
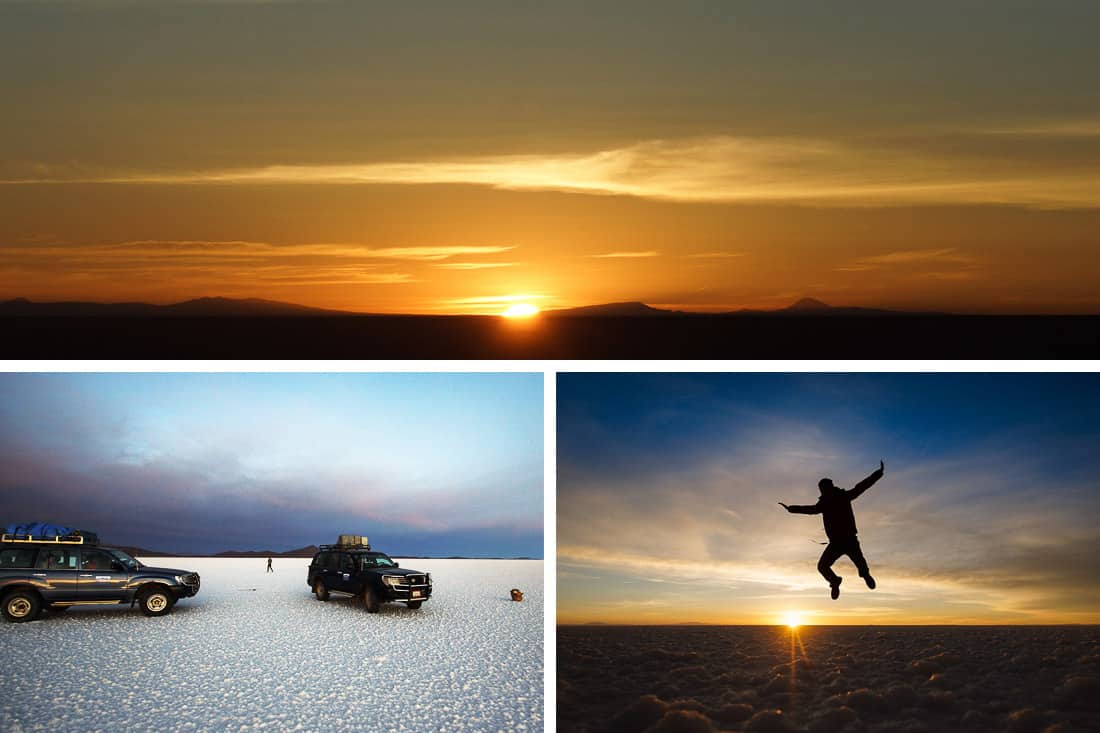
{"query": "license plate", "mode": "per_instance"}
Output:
(416, 594)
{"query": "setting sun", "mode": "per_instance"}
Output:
(793, 619)
(520, 310)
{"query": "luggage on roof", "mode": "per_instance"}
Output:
(45, 532)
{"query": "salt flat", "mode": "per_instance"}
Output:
(820, 679)
(256, 651)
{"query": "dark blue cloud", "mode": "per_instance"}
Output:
(424, 464)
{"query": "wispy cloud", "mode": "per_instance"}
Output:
(717, 521)
(625, 255)
(226, 266)
(715, 255)
(474, 265)
(721, 168)
(941, 264)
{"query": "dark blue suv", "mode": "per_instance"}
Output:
(60, 572)
(357, 570)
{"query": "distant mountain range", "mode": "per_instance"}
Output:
(307, 551)
(202, 307)
(257, 307)
(804, 307)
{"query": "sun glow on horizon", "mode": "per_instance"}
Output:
(793, 619)
(520, 310)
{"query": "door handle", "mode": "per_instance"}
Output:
(89, 575)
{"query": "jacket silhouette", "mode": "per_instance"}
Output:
(835, 506)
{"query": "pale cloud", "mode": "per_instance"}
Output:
(936, 264)
(719, 168)
(474, 265)
(233, 267)
(434, 253)
(717, 522)
(486, 304)
(626, 255)
(716, 255)
(182, 248)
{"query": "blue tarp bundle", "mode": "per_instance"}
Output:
(48, 531)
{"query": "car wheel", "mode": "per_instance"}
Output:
(21, 605)
(320, 591)
(155, 602)
(414, 604)
(370, 600)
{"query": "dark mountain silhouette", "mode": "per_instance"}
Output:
(631, 309)
(307, 551)
(220, 328)
(141, 551)
(808, 304)
(203, 307)
(803, 307)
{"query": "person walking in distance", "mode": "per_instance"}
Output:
(269, 568)
(835, 506)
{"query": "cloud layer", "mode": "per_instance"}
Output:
(875, 171)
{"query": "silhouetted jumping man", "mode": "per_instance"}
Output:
(835, 506)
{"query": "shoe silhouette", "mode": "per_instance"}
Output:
(870, 581)
(835, 592)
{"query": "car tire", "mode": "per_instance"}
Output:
(155, 601)
(21, 605)
(414, 604)
(320, 591)
(370, 600)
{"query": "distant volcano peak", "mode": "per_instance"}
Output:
(809, 304)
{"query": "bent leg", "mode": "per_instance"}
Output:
(825, 565)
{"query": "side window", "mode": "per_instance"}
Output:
(17, 557)
(95, 560)
(57, 558)
(347, 563)
(319, 561)
(332, 560)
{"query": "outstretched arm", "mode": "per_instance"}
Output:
(866, 483)
(797, 509)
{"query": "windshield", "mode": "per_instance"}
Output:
(130, 562)
(377, 561)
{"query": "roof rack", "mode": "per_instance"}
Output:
(72, 539)
(329, 548)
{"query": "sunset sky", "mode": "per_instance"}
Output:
(668, 488)
(440, 157)
(423, 464)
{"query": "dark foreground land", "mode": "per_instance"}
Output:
(490, 337)
(822, 679)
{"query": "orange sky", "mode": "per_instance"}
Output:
(444, 159)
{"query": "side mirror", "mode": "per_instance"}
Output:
(397, 564)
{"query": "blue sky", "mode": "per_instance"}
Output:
(432, 464)
(986, 513)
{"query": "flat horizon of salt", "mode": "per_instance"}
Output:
(255, 650)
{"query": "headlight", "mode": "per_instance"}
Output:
(429, 577)
(392, 580)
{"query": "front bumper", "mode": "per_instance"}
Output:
(190, 587)
(406, 592)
